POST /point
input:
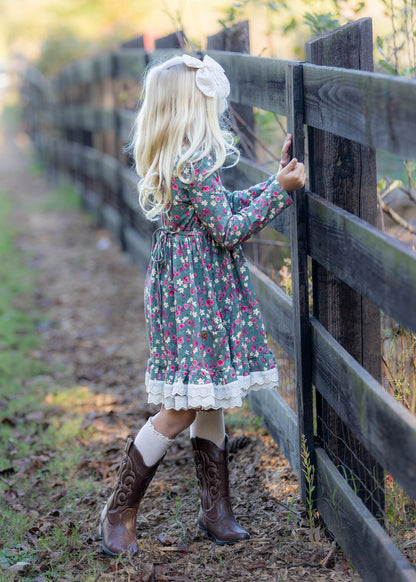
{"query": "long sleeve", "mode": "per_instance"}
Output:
(240, 199)
(215, 207)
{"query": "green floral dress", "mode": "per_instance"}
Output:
(208, 346)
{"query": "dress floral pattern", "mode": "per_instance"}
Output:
(208, 345)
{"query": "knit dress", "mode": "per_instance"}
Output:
(208, 345)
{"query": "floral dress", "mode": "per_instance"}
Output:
(208, 345)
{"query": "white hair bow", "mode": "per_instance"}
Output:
(210, 76)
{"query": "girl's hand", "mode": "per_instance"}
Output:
(285, 157)
(292, 177)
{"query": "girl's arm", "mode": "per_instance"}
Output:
(228, 228)
(242, 198)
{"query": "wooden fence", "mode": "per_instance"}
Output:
(356, 269)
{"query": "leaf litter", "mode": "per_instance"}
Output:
(90, 397)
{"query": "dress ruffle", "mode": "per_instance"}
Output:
(207, 396)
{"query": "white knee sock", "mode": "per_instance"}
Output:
(209, 424)
(151, 444)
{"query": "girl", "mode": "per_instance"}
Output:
(207, 341)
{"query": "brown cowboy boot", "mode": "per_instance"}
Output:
(215, 515)
(118, 519)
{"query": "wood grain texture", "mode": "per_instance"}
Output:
(344, 173)
(369, 108)
(371, 551)
(256, 81)
(299, 256)
(382, 424)
(372, 109)
(280, 421)
(371, 262)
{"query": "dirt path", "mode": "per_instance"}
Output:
(94, 339)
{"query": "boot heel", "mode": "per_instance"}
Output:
(216, 516)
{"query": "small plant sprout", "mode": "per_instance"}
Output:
(308, 471)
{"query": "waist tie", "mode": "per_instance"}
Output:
(159, 239)
(158, 254)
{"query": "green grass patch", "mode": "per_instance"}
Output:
(48, 486)
(242, 419)
(63, 199)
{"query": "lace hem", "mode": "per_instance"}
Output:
(208, 396)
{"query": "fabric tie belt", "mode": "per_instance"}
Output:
(159, 239)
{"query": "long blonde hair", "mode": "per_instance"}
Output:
(177, 126)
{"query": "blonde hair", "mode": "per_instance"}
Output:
(177, 126)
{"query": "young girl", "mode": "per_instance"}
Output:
(207, 341)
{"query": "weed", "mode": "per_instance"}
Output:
(308, 471)
(288, 518)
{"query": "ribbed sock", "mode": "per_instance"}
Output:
(151, 444)
(209, 424)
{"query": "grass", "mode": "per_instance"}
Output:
(242, 419)
(63, 199)
(41, 485)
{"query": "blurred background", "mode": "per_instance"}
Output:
(51, 32)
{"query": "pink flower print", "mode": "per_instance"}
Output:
(209, 302)
(186, 280)
(205, 189)
(220, 362)
(181, 326)
(180, 340)
(175, 187)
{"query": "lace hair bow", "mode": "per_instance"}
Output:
(210, 76)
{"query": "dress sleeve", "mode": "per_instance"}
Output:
(216, 207)
(240, 199)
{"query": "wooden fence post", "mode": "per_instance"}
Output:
(300, 294)
(237, 40)
(344, 173)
